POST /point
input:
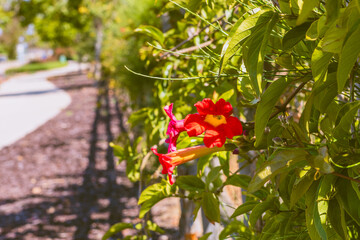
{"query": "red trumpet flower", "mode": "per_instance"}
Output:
(170, 160)
(215, 121)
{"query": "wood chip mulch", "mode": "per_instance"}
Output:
(50, 190)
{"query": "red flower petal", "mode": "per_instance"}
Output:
(214, 138)
(233, 127)
(164, 160)
(194, 125)
(223, 108)
(205, 107)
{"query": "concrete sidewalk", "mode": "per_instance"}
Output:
(28, 101)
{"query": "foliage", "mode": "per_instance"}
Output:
(291, 70)
(11, 31)
(60, 23)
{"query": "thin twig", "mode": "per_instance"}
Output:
(345, 177)
(192, 37)
(190, 49)
(283, 106)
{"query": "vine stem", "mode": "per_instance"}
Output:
(345, 177)
(283, 106)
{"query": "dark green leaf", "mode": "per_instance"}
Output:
(310, 201)
(332, 10)
(244, 208)
(348, 198)
(342, 129)
(210, 206)
(336, 216)
(279, 161)
(348, 56)
(259, 209)
(300, 187)
(266, 106)
(213, 175)
(295, 35)
(238, 180)
(190, 183)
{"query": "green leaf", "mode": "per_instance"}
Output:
(310, 201)
(335, 35)
(285, 60)
(312, 33)
(238, 180)
(322, 201)
(119, 151)
(236, 227)
(138, 116)
(259, 209)
(205, 236)
(332, 10)
(154, 227)
(327, 94)
(118, 227)
(202, 163)
(241, 31)
(348, 56)
(348, 198)
(321, 163)
(336, 216)
(301, 187)
(306, 9)
(227, 95)
(190, 183)
(210, 206)
(256, 48)
(279, 161)
(213, 175)
(273, 225)
(151, 31)
(152, 195)
(266, 105)
(295, 35)
(244, 208)
(342, 129)
(319, 62)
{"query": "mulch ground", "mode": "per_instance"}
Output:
(50, 187)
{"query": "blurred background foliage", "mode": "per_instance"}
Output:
(290, 69)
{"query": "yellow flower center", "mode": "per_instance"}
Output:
(215, 120)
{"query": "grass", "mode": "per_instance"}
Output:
(34, 67)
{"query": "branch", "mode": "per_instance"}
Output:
(282, 108)
(191, 37)
(346, 177)
(186, 50)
